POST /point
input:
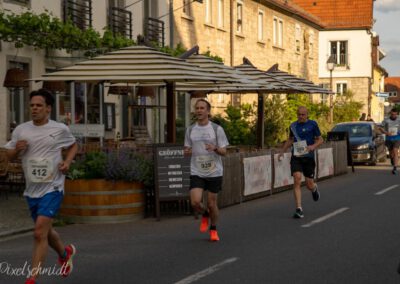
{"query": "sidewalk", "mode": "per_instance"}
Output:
(14, 215)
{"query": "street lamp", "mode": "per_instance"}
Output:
(330, 64)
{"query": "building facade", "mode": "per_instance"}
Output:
(265, 32)
(348, 37)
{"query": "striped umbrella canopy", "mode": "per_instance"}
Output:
(294, 80)
(258, 75)
(135, 64)
(242, 83)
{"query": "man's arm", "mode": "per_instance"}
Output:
(71, 152)
(20, 146)
(317, 142)
(286, 146)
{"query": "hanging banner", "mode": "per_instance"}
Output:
(283, 176)
(257, 174)
(325, 162)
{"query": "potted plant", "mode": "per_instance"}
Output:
(107, 186)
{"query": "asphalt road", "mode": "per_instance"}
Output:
(352, 235)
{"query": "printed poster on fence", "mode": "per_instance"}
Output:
(283, 176)
(325, 162)
(257, 174)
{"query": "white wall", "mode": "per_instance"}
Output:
(359, 52)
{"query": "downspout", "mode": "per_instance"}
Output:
(171, 23)
(372, 74)
(232, 38)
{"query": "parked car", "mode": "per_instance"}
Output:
(366, 143)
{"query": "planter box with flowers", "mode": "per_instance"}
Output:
(106, 187)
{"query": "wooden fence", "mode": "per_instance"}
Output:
(234, 180)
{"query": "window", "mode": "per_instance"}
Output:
(297, 37)
(221, 13)
(277, 32)
(324, 97)
(119, 19)
(79, 12)
(311, 43)
(341, 88)
(187, 10)
(260, 26)
(239, 11)
(339, 52)
(25, 3)
(208, 11)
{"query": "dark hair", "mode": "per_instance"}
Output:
(48, 97)
(394, 110)
(207, 103)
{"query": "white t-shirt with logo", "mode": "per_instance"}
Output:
(203, 162)
(41, 159)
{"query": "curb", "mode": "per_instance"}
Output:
(16, 232)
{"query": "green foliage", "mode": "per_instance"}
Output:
(238, 126)
(44, 31)
(275, 120)
(89, 166)
(215, 57)
(123, 164)
(346, 108)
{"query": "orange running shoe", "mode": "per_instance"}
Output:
(214, 236)
(204, 224)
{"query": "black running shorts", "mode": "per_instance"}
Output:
(211, 184)
(306, 165)
(392, 144)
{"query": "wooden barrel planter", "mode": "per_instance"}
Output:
(102, 201)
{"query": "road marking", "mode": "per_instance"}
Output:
(386, 189)
(326, 217)
(207, 271)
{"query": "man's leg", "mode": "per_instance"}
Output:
(395, 154)
(297, 188)
(55, 242)
(213, 207)
(196, 200)
(43, 226)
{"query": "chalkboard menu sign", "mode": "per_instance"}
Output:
(172, 173)
(342, 136)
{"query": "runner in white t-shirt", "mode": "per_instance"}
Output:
(39, 143)
(206, 142)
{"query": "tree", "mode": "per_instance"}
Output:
(346, 108)
(238, 124)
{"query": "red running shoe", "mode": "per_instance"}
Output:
(214, 236)
(204, 224)
(30, 281)
(66, 263)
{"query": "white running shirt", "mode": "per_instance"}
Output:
(204, 163)
(41, 159)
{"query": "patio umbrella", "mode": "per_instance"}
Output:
(309, 86)
(138, 64)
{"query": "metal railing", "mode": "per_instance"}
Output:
(155, 31)
(79, 12)
(120, 22)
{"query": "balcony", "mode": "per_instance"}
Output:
(155, 31)
(79, 12)
(120, 22)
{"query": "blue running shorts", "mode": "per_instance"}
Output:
(48, 205)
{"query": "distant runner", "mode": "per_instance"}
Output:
(206, 142)
(305, 137)
(391, 127)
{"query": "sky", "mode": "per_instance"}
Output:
(387, 25)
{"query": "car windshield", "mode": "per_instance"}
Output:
(354, 130)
